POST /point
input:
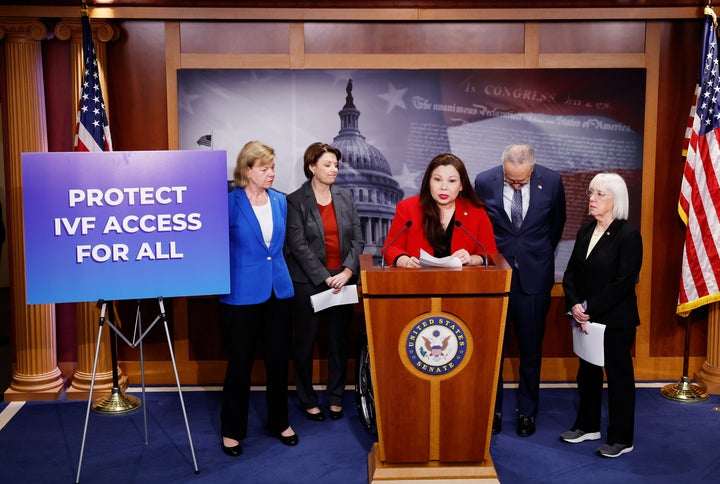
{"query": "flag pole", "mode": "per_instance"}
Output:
(117, 402)
(684, 390)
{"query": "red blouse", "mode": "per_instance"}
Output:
(333, 259)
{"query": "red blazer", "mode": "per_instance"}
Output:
(474, 219)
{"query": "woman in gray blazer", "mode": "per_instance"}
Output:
(323, 246)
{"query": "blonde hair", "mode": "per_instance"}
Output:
(253, 153)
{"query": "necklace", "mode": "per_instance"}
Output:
(257, 199)
(322, 197)
(446, 216)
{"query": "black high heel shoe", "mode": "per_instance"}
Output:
(233, 451)
(335, 415)
(315, 417)
(290, 440)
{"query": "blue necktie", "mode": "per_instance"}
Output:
(516, 209)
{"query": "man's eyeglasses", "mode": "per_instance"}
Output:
(596, 193)
(517, 184)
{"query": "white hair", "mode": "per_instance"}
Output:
(615, 185)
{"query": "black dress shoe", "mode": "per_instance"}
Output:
(233, 451)
(335, 415)
(525, 426)
(290, 440)
(497, 424)
(315, 417)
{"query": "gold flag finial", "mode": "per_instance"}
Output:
(84, 8)
(709, 11)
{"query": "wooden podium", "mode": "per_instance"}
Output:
(435, 339)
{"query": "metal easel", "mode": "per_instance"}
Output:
(138, 336)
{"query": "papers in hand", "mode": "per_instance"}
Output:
(589, 346)
(426, 260)
(326, 299)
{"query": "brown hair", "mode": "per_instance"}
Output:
(313, 154)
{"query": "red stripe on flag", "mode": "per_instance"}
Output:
(691, 119)
(694, 265)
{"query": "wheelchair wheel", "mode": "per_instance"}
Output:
(364, 398)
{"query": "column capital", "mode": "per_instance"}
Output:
(72, 28)
(22, 29)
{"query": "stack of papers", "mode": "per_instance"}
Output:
(326, 299)
(590, 346)
(426, 260)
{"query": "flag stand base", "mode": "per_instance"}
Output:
(684, 391)
(116, 403)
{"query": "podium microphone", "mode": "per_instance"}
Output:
(382, 252)
(460, 226)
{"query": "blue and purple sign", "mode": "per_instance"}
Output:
(125, 225)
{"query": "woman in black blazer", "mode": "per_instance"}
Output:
(599, 286)
(323, 244)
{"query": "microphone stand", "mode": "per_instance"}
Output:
(408, 224)
(459, 225)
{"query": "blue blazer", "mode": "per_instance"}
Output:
(256, 269)
(530, 250)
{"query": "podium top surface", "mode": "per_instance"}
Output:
(395, 281)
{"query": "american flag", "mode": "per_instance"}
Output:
(699, 204)
(92, 132)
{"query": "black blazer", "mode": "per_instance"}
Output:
(305, 235)
(606, 278)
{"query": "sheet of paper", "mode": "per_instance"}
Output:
(326, 299)
(426, 260)
(590, 347)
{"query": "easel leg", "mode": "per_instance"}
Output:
(177, 380)
(92, 385)
(138, 324)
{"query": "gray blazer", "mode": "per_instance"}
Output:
(305, 235)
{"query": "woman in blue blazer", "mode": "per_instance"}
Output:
(599, 286)
(258, 307)
(324, 243)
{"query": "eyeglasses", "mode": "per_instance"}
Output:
(597, 194)
(517, 184)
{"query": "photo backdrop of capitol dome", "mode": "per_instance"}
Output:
(389, 124)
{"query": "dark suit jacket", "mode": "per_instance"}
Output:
(531, 250)
(256, 269)
(474, 219)
(606, 279)
(305, 243)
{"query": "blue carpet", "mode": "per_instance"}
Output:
(675, 443)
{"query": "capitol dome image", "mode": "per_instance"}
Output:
(366, 173)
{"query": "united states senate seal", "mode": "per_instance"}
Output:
(436, 345)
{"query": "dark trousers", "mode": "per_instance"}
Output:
(621, 389)
(337, 321)
(269, 324)
(526, 315)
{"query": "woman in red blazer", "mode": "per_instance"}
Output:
(446, 219)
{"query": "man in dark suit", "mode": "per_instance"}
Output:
(526, 203)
